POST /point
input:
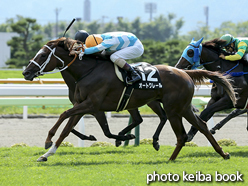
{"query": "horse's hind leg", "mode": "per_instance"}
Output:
(178, 128)
(156, 107)
(197, 122)
(136, 120)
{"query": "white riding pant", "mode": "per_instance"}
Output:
(246, 57)
(129, 52)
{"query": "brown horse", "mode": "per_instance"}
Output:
(136, 117)
(209, 58)
(98, 89)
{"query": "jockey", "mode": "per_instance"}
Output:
(234, 45)
(81, 35)
(120, 46)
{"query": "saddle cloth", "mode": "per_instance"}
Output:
(149, 74)
(150, 79)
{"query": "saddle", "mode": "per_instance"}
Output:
(150, 80)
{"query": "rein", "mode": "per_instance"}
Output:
(207, 63)
(76, 55)
(228, 72)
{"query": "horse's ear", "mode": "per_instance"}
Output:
(198, 42)
(193, 39)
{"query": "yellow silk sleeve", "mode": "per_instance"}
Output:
(234, 57)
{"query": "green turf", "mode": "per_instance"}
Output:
(117, 166)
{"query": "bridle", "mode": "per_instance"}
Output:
(43, 65)
(199, 63)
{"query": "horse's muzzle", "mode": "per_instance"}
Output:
(28, 75)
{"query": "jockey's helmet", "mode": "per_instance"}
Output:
(93, 40)
(228, 38)
(81, 35)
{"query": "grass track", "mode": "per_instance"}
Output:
(106, 166)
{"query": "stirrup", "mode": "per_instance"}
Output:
(137, 78)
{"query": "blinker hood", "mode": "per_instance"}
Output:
(197, 48)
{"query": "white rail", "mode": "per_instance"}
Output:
(62, 90)
(57, 94)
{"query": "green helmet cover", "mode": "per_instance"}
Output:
(229, 39)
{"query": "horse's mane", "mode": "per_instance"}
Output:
(66, 43)
(215, 45)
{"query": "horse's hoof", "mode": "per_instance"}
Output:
(212, 131)
(92, 138)
(42, 159)
(117, 143)
(190, 137)
(227, 156)
(156, 146)
(48, 145)
(130, 136)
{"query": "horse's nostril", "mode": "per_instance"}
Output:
(25, 73)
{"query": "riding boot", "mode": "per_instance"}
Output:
(134, 75)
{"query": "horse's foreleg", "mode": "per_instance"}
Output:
(71, 123)
(76, 118)
(52, 131)
(136, 120)
(83, 137)
(233, 114)
(78, 109)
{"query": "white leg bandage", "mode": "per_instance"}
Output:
(51, 151)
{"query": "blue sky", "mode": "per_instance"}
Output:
(192, 11)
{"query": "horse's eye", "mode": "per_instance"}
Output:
(190, 53)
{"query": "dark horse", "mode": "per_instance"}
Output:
(98, 89)
(207, 55)
(136, 117)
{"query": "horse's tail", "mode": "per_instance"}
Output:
(200, 75)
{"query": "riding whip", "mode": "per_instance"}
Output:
(69, 26)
